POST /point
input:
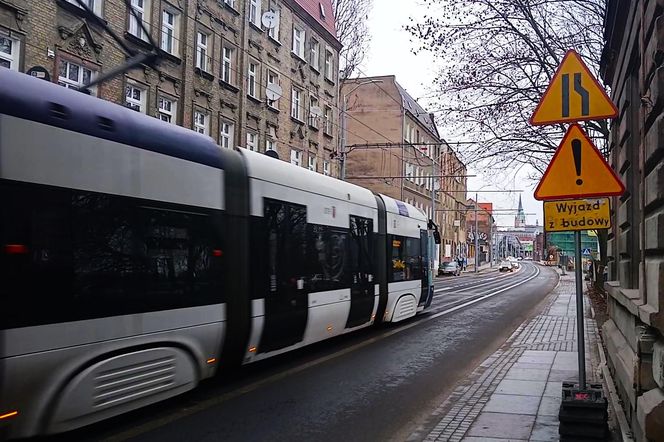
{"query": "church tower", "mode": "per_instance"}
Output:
(520, 218)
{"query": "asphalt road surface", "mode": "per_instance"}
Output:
(375, 385)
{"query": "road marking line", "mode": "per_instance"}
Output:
(204, 405)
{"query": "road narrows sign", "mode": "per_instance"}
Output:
(577, 170)
(584, 214)
(574, 94)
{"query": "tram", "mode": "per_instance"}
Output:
(138, 258)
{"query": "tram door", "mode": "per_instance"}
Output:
(286, 301)
(361, 271)
(427, 277)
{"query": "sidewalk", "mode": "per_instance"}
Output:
(515, 393)
(470, 268)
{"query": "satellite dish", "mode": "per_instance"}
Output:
(273, 92)
(316, 111)
(270, 19)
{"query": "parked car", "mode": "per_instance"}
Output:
(449, 268)
(505, 266)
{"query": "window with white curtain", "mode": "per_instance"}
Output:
(226, 134)
(141, 13)
(201, 123)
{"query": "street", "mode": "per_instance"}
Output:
(374, 385)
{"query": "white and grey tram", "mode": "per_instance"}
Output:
(138, 258)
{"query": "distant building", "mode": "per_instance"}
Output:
(484, 230)
(393, 147)
(520, 218)
(217, 62)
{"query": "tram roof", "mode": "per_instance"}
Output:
(33, 99)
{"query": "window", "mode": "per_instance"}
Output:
(298, 42)
(226, 134)
(95, 255)
(9, 53)
(329, 65)
(406, 259)
(270, 144)
(252, 141)
(167, 108)
(313, 111)
(94, 5)
(326, 168)
(255, 12)
(201, 123)
(409, 172)
(274, 31)
(169, 41)
(328, 120)
(73, 76)
(312, 163)
(251, 79)
(137, 20)
(230, 3)
(295, 157)
(315, 54)
(327, 258)
(296, 103)
(202, 51)
(135, 98)
(227, 64)
(272, 79)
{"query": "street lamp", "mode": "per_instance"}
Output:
(344, 104)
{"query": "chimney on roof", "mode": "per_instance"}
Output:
(433, 119)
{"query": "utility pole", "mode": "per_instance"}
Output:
(477, 256)
(342, 148)
(433, 211)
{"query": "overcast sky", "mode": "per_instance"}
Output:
(390, 54)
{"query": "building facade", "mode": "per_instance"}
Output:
(221, 70)
(393, 147)
(633, 66)
(484, 229)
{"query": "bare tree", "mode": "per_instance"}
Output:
(496, 59)
(351, 18)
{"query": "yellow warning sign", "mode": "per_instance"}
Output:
(577, 170)
(573, 95)
(585, 214)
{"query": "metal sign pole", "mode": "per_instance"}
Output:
(579, 311)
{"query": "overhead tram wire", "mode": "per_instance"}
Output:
(244, 76)
(216, 63)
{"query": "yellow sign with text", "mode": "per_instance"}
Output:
(585, 214)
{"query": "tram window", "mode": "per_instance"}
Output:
(92, 255)
(406, 259)
(361, 245)
(327, 257)
(286, 245)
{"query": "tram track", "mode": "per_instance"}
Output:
(299, 366)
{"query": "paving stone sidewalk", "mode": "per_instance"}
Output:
(515, 393)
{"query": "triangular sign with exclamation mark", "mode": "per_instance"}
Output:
(578, 170)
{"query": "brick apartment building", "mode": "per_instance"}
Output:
(216, 62)
(389, 136)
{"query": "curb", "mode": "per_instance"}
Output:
(614, 400)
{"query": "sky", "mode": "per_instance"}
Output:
(390, 54)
